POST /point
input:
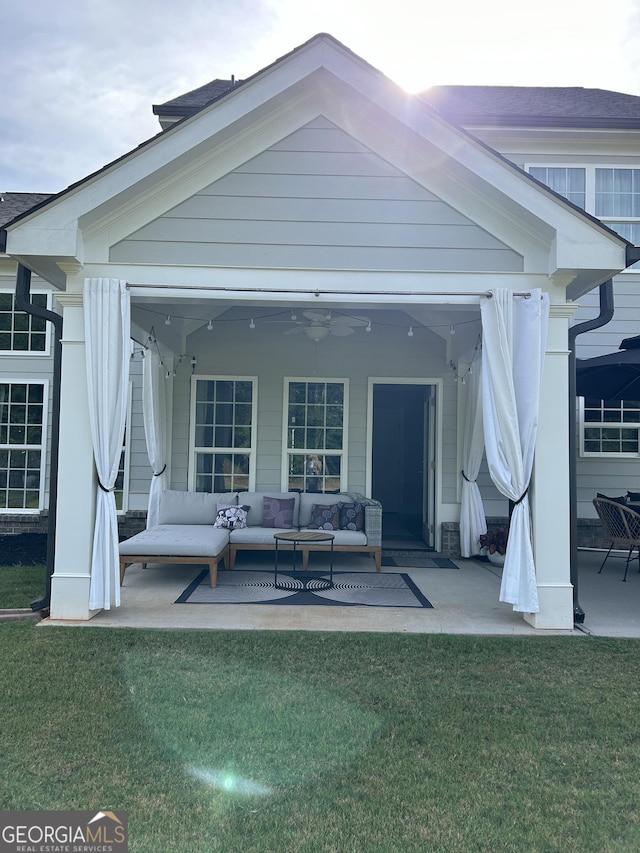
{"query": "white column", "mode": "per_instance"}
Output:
(76, 477)
(549, 493)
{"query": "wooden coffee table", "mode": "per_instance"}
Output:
(306, 538)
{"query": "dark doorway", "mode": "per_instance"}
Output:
(399, 450)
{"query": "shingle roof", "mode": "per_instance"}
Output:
(12, 205)
(194, 100)
(538, 106)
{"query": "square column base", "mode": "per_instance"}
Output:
(70, 597)
(556, 608)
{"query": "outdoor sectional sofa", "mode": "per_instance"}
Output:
(185, 532)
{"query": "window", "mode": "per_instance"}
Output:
(22, 437)
(611, 194)
(222, 434)
(19, 331)
(567, 181)
(315, 432)
(610, 428)
(617, 201)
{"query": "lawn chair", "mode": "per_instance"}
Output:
(622, 525)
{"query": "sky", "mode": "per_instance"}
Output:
(80, 76)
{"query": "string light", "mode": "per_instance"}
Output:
(452, 330)
(252, 325)
(294, 316)
(368, 329)
(167, 322)
(410, 332)
(210, 325)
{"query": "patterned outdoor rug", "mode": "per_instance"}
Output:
(415, 560)
(364, 589)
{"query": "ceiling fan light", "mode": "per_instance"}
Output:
(316, 333)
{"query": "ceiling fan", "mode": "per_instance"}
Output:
(321, 324)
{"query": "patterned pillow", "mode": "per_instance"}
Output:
(351, 516)
(277, 512)
(231, 517)
(325, 516)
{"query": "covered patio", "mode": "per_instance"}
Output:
(317, 187)
(465, 601)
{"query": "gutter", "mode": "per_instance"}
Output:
(23, 303)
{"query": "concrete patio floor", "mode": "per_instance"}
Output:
(465, 601)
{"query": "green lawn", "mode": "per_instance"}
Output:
(20, 585)
(257, 741)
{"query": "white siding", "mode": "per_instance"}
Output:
(318, 199)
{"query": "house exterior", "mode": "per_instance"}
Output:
(306, 254)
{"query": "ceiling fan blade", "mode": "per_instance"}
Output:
(340, 331)
(319, 316)
(296, 330)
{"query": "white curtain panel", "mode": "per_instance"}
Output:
(514, 334)
(107, 323)
(472, 519)
(153, 406)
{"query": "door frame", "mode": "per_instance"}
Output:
(432, 469)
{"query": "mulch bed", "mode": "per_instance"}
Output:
(23, 549)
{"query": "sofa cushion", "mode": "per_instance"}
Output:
(346, 537)
(325, 517)
(351, 516)
(176, 540)
(191, 507)
(255, 502)
(308, 499)
(256, 536)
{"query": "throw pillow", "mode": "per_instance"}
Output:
(277, 512)
(325, 517)
(620, 500)
(231, 517)
(351, 516)
(634, 497)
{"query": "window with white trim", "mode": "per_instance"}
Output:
(23, 408)
(610, 193)
(315, 424)
(22, 332)
(223, 414)
(610, 428)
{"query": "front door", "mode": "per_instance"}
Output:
(400, 463)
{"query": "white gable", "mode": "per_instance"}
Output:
(319, 199)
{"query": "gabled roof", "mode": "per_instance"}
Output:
(535, 106)
(321, 77)
(12, 205)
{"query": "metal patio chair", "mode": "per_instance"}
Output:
(622, 525)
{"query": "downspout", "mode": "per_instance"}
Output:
(23, 303)
(605, 315)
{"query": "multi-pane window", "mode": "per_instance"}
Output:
(611, 427)
(22, 419)
(567, 181)
(617, 201)
(223, 415)
(19, 331)
(611, 194)
(315, 435)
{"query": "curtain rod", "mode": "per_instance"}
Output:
(316, 292)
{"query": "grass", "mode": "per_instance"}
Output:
(256, 741)
(20, 585)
